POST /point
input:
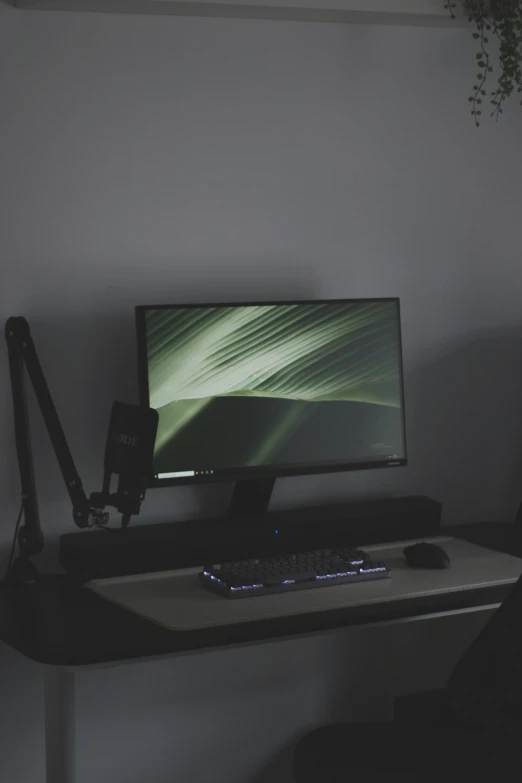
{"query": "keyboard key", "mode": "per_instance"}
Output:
(292, 576)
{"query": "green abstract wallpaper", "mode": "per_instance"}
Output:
(248, 386)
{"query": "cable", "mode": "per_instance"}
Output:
(15, 539)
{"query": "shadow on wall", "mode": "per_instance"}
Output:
(464, 418)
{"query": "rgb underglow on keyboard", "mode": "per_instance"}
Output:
(293, 581)
(293, 571)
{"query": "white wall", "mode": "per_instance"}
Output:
(162, 159)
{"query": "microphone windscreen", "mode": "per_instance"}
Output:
(130, 441)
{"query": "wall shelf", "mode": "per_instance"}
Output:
(428, 13)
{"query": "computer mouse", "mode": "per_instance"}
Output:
(426, 555)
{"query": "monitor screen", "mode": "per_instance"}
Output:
(272, 389)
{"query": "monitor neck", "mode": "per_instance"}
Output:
(251, 497)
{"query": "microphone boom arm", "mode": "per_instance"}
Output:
(22, 351)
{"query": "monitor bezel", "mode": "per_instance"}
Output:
(270, 471)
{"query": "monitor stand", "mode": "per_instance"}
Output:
(251, 497)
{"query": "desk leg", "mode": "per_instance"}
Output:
(60, 740)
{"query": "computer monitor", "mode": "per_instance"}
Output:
(251, 392)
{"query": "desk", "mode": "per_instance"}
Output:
(61, 624)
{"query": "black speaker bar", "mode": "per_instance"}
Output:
(161, 547)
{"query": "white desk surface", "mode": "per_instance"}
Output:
(178, 601)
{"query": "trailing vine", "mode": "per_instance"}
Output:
(503, 19)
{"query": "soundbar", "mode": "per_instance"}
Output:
(161, 547)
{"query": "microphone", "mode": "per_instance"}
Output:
(129, 453)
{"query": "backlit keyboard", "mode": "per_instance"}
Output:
(300, 571)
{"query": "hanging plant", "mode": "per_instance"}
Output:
(503, 19)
